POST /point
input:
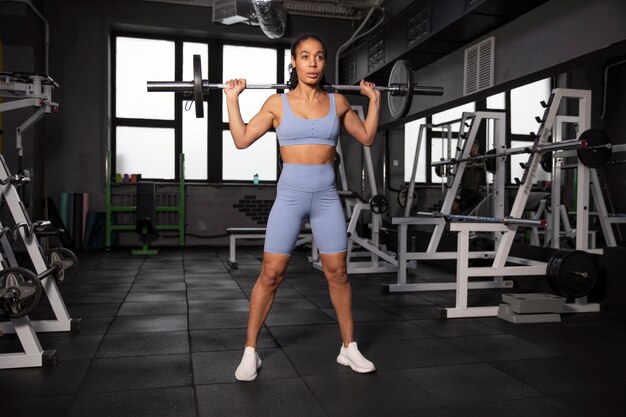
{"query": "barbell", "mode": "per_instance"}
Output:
(594, 149)
(401, 88)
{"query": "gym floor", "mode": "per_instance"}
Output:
(162, 336)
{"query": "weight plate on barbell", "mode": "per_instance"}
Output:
(67, 261)
(401, 75)
(197, 86)
(379, 204)
(572, 273)
(546, 161)
(403, 197)
(490, 163)
(20, 292)
(596, 154)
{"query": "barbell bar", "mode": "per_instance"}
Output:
(401, 88)
(594, 148)
(507, 220)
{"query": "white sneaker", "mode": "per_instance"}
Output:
(351, 357)
(246, 371)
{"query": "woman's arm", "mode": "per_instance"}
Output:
(362, 131)
(245, 135)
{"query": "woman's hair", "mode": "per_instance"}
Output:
(293, 76)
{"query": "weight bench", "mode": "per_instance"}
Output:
(235, 233)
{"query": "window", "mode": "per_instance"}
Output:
(150, 129)
(256, 65)
(144, 122)
(439, 140)
(195, 131)
(525, 106)
(411, 132)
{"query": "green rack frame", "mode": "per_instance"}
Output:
(110, 209)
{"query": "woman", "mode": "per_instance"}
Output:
(307, 125)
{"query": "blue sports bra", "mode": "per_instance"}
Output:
(294, 130)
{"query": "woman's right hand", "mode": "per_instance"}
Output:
(235, 87)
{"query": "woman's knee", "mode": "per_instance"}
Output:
(336, 274)
(270, 278)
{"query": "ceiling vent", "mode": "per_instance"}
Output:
(229, 12)
(479, 61)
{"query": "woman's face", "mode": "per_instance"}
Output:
(309, 62)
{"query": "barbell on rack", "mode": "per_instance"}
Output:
(594, 149)
(401, 88)
(483, 219)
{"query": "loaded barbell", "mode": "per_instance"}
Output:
(401, 88)
(594, 149)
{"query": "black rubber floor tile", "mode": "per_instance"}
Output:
(469, 384)
(417, 353)
(212, 305)
(379, 394)
(219, 367)
(536, 407)
(500, 347)
(452, 328)
(397, 299)
(607, 358)
(218, 320)
(362, 314)
(40, 407)
(95, 298)
(160, 286)
(202, 294)
(165, 402)
(97, 278)
(323, 301)
(594, 404)
(320, 359)
(218, 285)
(64, 379)
(94, 287)
(306, 335)
(277, 398)
(226, 339)
(416, 312)
(94, 326)
(143, 344)
(70, 346)
(388, 330)
(134, 297)
(297, 303)
(297, 317)
(142, 324)
(92, 310)
(144, 372)
(147, 308)
(560, 376)
(155, 277)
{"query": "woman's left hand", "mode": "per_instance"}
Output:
(369, 90)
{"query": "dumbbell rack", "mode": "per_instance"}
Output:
(33, 355)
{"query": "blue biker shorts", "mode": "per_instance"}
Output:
(306, 192)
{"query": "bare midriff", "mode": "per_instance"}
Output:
(307, 154)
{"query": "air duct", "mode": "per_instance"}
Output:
(271, 17)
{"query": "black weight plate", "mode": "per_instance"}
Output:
(490, 163)
(20, 292)
(403, 198)
(546, 161)
(596, 154)
(379, 204)
(440, 170)
(197, 87)
(67, 261)
(402, 75)
(573, 273)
